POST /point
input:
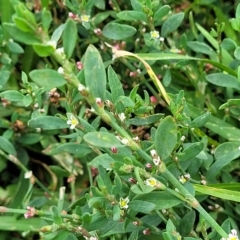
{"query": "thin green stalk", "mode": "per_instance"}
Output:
(193, 202)
(16, 161)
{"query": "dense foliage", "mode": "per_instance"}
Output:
(119, 119)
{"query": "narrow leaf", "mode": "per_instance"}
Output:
(94, 72)
(69, 37)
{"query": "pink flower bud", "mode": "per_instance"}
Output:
(114, 150)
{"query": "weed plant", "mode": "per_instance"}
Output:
(119, 119)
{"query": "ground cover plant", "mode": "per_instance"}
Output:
(119, 119)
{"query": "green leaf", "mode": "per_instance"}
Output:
(137, 121)
(141, 206)
(118, 31)
(48, 123)
(23, 24)
(237, 14)
(134, 234)
(160, 13)
(14, 47)
(94, 73)
(223, 80)
(43, 50)
(18, 35)
(219, 192)
(7, 146)
(237, 53)
(100, 4)
(187, 223)
(76, 149)
(136, 5)
(200, 47)
(200, 120)
(166, 137)
(47, 78)
(46, 19)
(171, 24)
(228, 44)
(192, 150)
(114, 84)
(132, 16)
(116, 213)
(69, 37)
(4, 76)
(56, 215)
(29, 138)
(224, 154)
(162, 200)
(12, 95)
(19, 224)
(167, 78)
(27, 100)
(104, 159)
(102, 139)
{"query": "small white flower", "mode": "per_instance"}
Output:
(156, 161)
(123, 203)
(153, 153)
(81, 87)
(28, 174)
(85, 18)
(121, 116)
(203, 182)
(154, 34)
(161, 39)
(239, 148)
(72, 121)
(187, 176)
(232, 236)
(182, 179)
(136, 139)
(183, 138)
(60, 70)
(151, 182)
(124, 141)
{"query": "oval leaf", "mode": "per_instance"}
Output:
(102, 139)
(118, 31)
(162, 200)
(171, 24)
(47, 78)
(94, 73)
(7, 146)
(223, 80)
(166, 137)
(48, 123)
(12, 95)
(142, 206)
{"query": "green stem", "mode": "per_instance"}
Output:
(192, 201)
